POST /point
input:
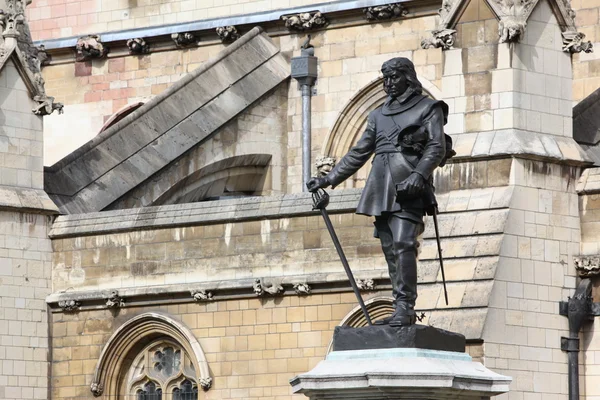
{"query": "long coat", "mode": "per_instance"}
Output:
(391, 166)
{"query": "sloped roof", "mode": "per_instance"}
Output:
(586, 125)
(131, 151)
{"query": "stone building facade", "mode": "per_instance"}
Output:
(188, 260)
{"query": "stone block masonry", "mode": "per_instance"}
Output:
(25, 281)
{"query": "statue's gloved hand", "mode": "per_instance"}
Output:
(317, 183)
(411, 186)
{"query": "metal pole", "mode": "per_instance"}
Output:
(573, 361)
(439, 246)
(306, 132)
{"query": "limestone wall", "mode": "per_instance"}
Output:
(25, 249)
(586, 66)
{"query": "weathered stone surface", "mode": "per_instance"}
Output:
(146, 141)
(388, 337)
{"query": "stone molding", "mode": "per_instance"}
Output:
(143, 327)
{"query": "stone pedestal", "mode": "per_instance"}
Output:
(416, 368)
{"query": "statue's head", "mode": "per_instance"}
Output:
(399, 75)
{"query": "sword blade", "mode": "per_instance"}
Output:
(342, 256)
(439, 246)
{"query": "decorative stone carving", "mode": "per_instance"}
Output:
(385, 12)
(260, 289)
(443, 39)
(205, 383)
(573, 43)
(446, 9)
(305, 21)
(324, 165)
(511, 29)
(201, 295)
(12, 17)
(138, 46)
(69, 305)
(115, 301)
(46, 106)
(302, 288)
(228, 34)
(97, 389)
(90, 47)
(587, 266)
(184, 39)
(513, 18)
(366, 284)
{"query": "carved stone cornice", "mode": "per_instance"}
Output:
(587, 266)
(228, 34)
(443, 39)
(385, 12)
(90, 47)
(184, 39)
(305, 21)
(573, 43)
(138, 46)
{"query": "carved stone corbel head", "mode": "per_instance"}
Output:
(385, 12)
(573, 43)
(184, 39)
(138, 46)
(90, 47)
(228, 34)
(305, 21)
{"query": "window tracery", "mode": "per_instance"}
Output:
(162, 371)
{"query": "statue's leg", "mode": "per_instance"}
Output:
(405, 232)
(387, 245)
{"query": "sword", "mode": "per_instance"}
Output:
(320, 202)
(439, 246)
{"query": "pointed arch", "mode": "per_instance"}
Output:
(352, 120)
(131, 337)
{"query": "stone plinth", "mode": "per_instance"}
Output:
(399, 374)
(386, 337)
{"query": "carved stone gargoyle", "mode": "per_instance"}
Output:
(90, 47)
(305, 21)
(184, 39)
(228, 34)
(138, 46)
(385, 12)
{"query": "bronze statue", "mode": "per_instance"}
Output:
(406, 134)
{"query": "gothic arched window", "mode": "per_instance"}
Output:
(162, 371)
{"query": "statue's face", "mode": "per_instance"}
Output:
(394, 83)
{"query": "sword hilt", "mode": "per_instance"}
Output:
(320, 199)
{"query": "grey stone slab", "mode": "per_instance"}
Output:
(236, 65)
